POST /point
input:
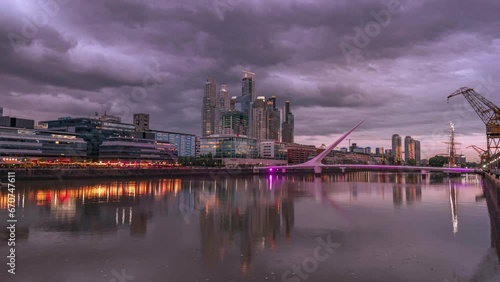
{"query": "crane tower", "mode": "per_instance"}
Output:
(489, 114)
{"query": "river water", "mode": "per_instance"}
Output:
(355, 227)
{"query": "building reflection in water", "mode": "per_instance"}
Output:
(96, 208)
(256, 221)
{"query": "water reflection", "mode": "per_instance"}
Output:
(246, 215)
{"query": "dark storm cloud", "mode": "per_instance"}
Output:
(93, 54)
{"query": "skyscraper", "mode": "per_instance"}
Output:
(223, 105)
(418, 156)
(248, 85)
(409, 149)
(260, 119)
(287, 128)
(397, 149)
(208, 108)
(141, 122)
(1, 112)
(274, 119)
(248, 96)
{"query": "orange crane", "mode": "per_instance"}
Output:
(489, 114)
(483, 154)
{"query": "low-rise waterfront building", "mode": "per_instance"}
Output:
(96, 130)
(298, 153)
(135, 149)
(92, 130)
(186, 143)
(233, 151)
(228, 146)
(271, 149)
(19, 144)
(17, 122)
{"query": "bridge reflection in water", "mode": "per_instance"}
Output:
(236, 219)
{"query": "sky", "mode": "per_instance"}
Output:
(390, 63)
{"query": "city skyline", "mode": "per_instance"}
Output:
(398, 85)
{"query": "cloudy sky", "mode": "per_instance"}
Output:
(338, 62)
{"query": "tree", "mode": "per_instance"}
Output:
(438, 161)
(412, 162)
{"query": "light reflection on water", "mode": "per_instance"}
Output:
(390, 226)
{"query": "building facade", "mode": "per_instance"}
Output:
(208, 108)
(185, 143)
(234, 122)
(135, 149)
(141, 122)
(17, 122)
(397, 148)
(287, 135)
(228, 146)
(248, 85)
(270, 149)
(418, 156)
(17, 145)
(93, 131)
(298, 153)
(274, 117)
(260, 119)
(222, 106)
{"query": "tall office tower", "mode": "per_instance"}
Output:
(409, 149)
(274, 119)
(1, 112)
(260, 119)
(141, 122)
(208, 108)
(223, 105)
(287, 127)
(418, 156)
(397, 148)
(248, 85)
(248, 95)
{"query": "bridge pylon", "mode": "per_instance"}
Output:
(317, 170)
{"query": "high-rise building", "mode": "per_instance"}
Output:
(248, 85)
(409, 149)
(223, 105)
(274, 117)
(208, 108)
(244, 102)
(260, 119)
(418, 156)
(141, 122)
(287, 128)
(397, 148)
(1, 112)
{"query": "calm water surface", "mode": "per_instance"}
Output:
(353, 227)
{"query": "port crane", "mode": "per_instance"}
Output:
(483, 154)
(490, 115)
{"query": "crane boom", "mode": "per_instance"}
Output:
(486, 110)
(477, 149)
